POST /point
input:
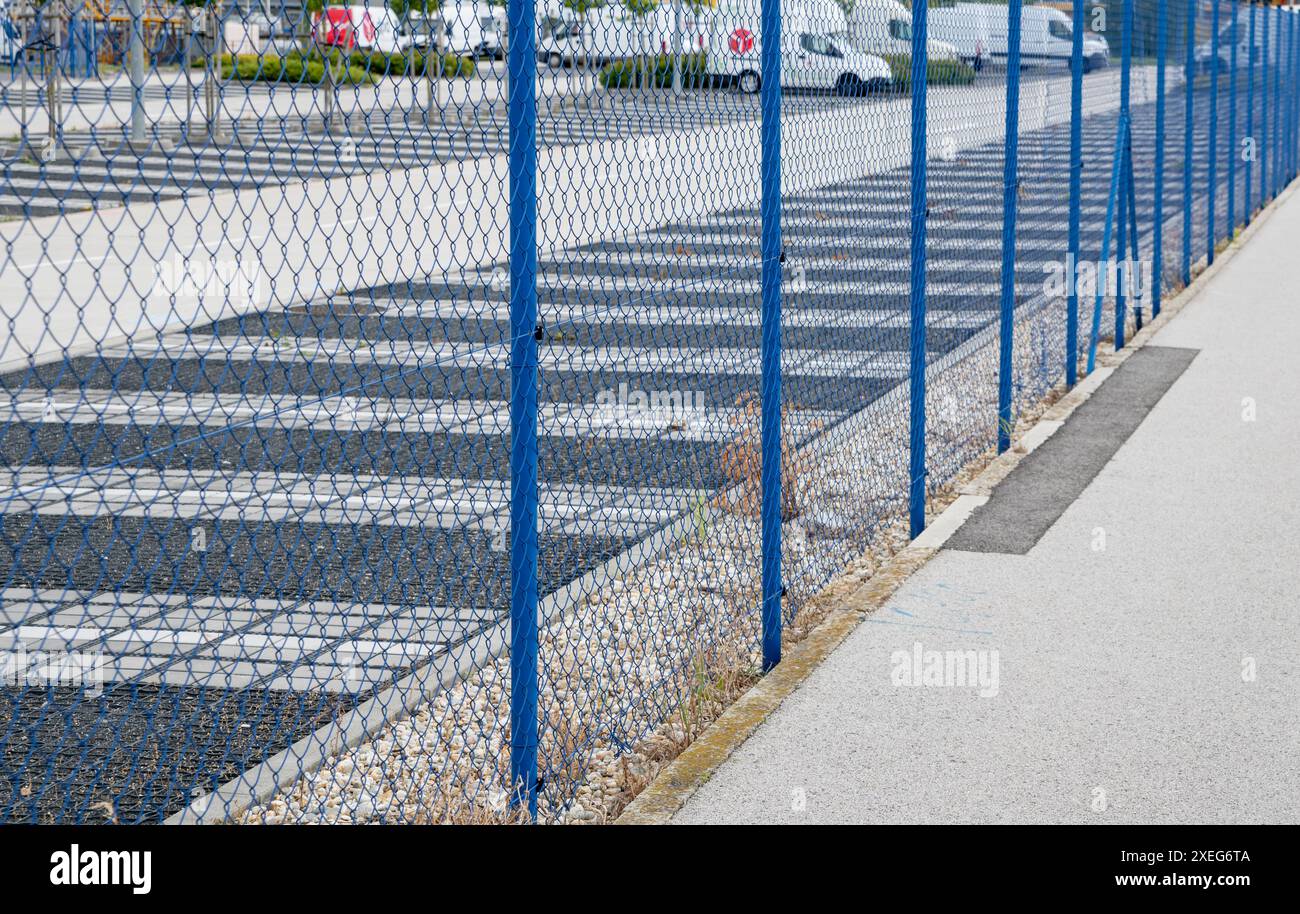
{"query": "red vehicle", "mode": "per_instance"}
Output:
(367, 28)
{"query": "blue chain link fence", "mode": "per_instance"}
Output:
(438, 412)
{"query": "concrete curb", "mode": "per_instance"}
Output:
(668, 793)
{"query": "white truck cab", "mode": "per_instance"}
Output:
(815, 51)
(1047, 40)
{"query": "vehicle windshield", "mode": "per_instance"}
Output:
(1059, 29)
(818, 44)
(558, 29)
(900, 29)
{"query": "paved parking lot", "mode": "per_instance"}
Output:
(255, 504)
(277, 134)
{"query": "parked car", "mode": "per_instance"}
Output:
(885, 27)
(811, 57)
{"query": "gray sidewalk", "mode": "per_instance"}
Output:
(1145, 648)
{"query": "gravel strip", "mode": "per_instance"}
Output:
(641, 666)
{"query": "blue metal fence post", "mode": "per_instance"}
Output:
(1282, 121)
(1158, 199)
(1076, 193)
(1295, 89)
(1280, 39)
(1275, 158)
(1288, 150)
(1262, 147)
(1125, 178)
(1248, 150)
(522, 64)
(1133, 263)
(1010, 190)
(1288, 147)
(1283, 173)
(1212, 134)
(1116, 173)
(770, 354)
(1278, 164)
(1232, 123)
(916, 464)
(1189, 73)
(1274, 86)
(1284, 100)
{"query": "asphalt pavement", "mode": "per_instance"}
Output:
(1137, 664)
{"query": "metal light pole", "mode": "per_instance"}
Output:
(136, 70)
(211, 100)
(53, 93)
(433, 76)
(23, 14)
(331, 88)
(677, 47)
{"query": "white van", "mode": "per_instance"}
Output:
(472, 29)
(812, 56)
(1046, 34)
(1204, 53)
(968, 27)
(606, 33)
(1047, 39)
(885, 27)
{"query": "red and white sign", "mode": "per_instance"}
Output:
(741, 41)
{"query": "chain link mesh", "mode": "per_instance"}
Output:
(270, 331)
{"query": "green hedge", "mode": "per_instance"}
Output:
(381, 64)
(289, 69)
(937, 72)
(364, 68)
(636, 72)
